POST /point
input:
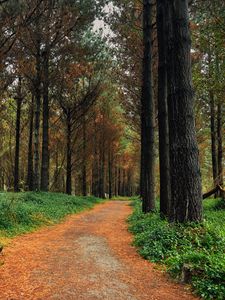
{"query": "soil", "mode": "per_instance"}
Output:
(89, 256)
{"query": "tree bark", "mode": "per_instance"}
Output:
(147, 115)
(84, 169)
(186, 195)
(165, 192)
(95, 165)
(17, 148)
(45, 125)
(36, 181)
(220, 143)
(69, 156)
(213, 137)
(110, 172)
(30, 149)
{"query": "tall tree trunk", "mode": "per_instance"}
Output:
(110, 172)
(220, 142)
(115, 180)
(36, 181)
(186, 193)
(165, 193)
(147, 115)
(124, 183)
(102, 170)
(45, 125)
(95, 165)
(119, 181)
(69, 156)
(17, 148)
(213, 137)
(84, 162)
(30, 148)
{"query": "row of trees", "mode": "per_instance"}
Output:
(56, 96)
(167, 95)
(85, 113)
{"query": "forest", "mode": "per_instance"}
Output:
(116, 105)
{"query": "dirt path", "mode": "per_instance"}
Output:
(89, 256)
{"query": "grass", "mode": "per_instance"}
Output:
(194, 249)
(28, 211)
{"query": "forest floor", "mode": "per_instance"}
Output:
(88, 256)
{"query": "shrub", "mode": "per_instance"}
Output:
(194, 248)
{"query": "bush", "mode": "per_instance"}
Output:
(22, 212)
(196, 248)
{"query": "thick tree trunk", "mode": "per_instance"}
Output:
(45, 126)
(17, 148)
(30, 149)
(186, 195)
(84, 169)
(165, 193)
(69, 156)
(147, 115)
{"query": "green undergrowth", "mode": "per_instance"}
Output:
(24, 212)
(194, 252)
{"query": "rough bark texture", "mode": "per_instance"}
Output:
(45, 126)
(186, 194)
(30, 149)
(165, 193)
(17, 148)
(147, 115)
(69, 156)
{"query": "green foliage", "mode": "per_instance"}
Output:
(198, 247)
(24, 212)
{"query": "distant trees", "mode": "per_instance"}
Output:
(208, 47)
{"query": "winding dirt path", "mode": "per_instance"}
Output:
(89, 256)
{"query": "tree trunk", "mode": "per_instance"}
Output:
(102, 171)
(30, 149)
(116, 181)
(186, 194)
(37, 121)
(119, 181)
(95, 166)
(110, 172)
(84, 169)
(45, 126)
(213, 137)
(69, 156)
(165, 193)
(147, 115)
(220, 143)
(17, 148)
